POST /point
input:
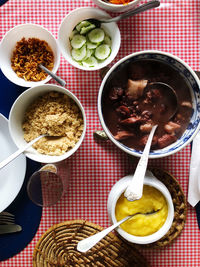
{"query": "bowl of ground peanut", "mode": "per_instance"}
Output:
(49, 110)
(23, 49)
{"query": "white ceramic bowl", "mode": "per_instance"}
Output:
(16, 117)
(116, 8)
(116, 192)
(191, 79)
(8, 44)
(78, 15)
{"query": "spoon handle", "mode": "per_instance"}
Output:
(54, 76)
(135, 188)
(87, 243)
(140, 9)
(18, 152)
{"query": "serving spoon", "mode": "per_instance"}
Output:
(135, 188)
(53, 75)
(89, 242)
(19, 151)
(140, 9)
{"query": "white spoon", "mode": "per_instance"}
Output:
(19, 151)
(135, 188)
(89, 242)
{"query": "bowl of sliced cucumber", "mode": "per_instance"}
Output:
(85, 44)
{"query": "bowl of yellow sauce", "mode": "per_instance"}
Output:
(154, 211)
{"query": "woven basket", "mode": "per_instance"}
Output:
(57, 247)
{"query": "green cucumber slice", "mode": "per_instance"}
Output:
(91, 45)
(107, 40)
(102, 51)
(90, 62)
(78, 41)
(83, 23)
(86, 29)
(79, 54)
(92, 51)
(74, 32)
(96, 36)
(88, 53)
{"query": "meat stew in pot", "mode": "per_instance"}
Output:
(131, 106)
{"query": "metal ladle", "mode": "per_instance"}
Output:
(140, 9)
(135, 188)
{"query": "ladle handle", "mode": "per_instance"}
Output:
(135, 188)
(18, 152)
(140, 9)
(87, 243)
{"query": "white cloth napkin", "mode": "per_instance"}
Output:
(194, 177)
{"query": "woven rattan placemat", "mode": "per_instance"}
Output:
(57, 247)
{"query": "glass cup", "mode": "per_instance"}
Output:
(47, 185)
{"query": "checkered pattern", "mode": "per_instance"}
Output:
(96, 166)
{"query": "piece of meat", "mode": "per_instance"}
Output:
(172, 127)
(186, 104)
(115, 93)
(121, 135)
(147, 114)
(152, 96)
(179, 118)
(123, 111)
(135, 88)
(131, 121)
(166, 140)
(146, 128)
(143, 141)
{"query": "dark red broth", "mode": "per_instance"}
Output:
(130, 109)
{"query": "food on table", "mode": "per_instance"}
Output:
(130, 109)
(89, 45)
(26, 57)
(142, 225)
(57, 115)
(118, 2)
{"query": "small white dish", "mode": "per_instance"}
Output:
(11, 176)
(16, 117)
(78, 15)
(115, 7)
(9, 42)
(116, 192)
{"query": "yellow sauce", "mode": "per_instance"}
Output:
(143, 225)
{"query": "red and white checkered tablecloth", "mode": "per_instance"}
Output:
(96, 166)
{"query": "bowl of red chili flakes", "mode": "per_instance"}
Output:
(117, 5)
(22, 49)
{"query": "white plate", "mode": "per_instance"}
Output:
(12, 175)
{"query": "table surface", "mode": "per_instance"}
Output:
(96, 166)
